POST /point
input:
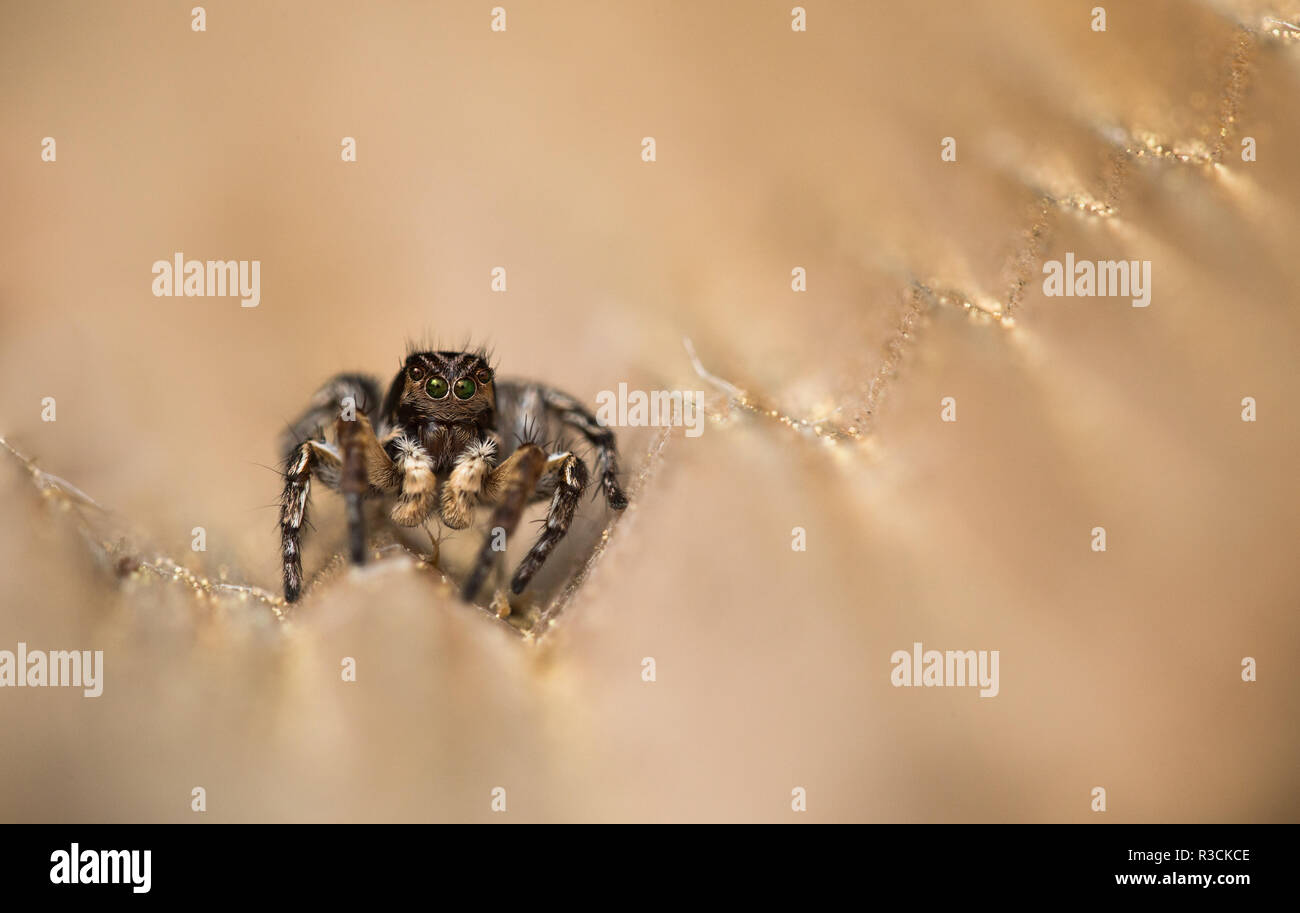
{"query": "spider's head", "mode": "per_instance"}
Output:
(444, 388)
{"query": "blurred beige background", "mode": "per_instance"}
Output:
(775, 150)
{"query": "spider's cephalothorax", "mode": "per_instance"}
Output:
(446, 438)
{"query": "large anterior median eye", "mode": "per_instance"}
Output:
(437, 387)
(465, 388)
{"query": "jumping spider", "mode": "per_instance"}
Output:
(446, 438)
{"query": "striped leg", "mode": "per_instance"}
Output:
(307, 459)
(572, 413)
(571, 481)
(358, 467)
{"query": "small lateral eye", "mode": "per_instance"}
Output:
(465, 388)
(416, 372)
(437, 387)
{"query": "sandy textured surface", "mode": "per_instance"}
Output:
(774, 150)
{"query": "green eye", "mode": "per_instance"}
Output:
(465, 388)
(437, 387)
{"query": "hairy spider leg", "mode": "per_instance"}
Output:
(572, 414)
(516, 480)
(307, 459)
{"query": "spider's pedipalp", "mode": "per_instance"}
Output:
(469, 480)
(353, 483)
(419, 484)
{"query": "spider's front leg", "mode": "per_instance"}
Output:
(366, 466)
(358, 465)
(307, 458)
(418, 486)
(515, 486)
(570, 481)
(474, 476)
(511, 486)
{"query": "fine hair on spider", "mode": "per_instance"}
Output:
(446, 438)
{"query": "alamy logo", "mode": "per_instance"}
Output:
(199, 279)
(662, 408)
(952, 669)
(1103, 279)
(57, 668)
(78, 866)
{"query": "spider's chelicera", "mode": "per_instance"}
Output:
(446, 438)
